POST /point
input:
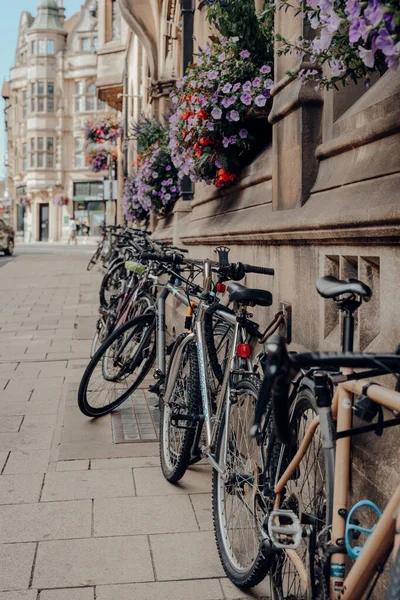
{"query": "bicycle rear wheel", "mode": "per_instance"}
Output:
(118, 367)
(111, 282)
(237, 499)
(94, 258)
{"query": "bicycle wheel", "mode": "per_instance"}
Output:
(111, 282)
(125, 358)
(94, 258)
(176, 436)
(237, 500)
(393, 591)
(305, 495)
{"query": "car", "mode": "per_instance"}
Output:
(7, 237)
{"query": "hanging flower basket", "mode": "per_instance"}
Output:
(106, 128)
(61, 200)
(98, 157)
(210, 137)
(25, 202)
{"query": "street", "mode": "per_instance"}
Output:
(82, 517)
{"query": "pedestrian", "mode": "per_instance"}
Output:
(72, 231)
(86, 230)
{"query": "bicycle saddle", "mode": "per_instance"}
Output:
(331, 287)
(244, 295)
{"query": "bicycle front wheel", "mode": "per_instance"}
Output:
(94, 259)
(237, 499)
(118, 367)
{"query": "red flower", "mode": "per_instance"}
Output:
(218, 183)
(202, 114)
(186, 115)
(197, 146)
(198, 153)
(225, 176)
(205, 141)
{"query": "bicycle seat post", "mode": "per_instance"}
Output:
(348, 305)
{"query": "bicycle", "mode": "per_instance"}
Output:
(308, 530)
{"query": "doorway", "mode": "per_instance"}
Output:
(44, 222)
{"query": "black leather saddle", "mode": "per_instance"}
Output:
(331, 287)
(248, 296)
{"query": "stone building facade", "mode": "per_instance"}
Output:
(322, 198)
(51, 93)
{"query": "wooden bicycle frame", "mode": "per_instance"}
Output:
(384, 535)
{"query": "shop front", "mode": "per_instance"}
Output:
(89, 206)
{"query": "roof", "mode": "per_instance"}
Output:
(71, 22)
(48, 16)
(5, 90)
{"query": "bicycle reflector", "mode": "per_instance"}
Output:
(243, 350)
(221, 287)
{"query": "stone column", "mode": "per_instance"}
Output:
(296, 118)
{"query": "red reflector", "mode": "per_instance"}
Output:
(221, 287)
(243, 350)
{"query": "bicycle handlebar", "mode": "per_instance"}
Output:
(166, 258)
(260, 270)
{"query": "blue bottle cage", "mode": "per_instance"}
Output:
(355, 551)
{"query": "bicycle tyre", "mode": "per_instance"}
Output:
(241, 575)
(393, 591)
(113, 275)
(174, 467)
(84, 404)
(94, 258)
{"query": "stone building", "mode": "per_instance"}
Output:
(322, 198)
(51, 93)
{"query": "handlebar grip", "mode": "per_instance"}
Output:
(260, 270)
(166, 258)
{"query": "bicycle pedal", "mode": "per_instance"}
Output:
(284, 529)
(192, 421)
(155, 387)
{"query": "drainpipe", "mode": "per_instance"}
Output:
(126, 118)
(187, 13)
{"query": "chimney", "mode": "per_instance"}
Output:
(61, 10)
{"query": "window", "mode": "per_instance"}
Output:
(89, 190)
(42, 97)
(79, 88)
(101, 105)
(115, 20)
(91, 97)
(24, 103)
(51, 47)
(95, 44)
(34, 47)
(24, 156)
(85, 101)
(42, 46)
(85, 44)
(42, 153)
(79, 154)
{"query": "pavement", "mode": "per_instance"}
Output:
(83, 518)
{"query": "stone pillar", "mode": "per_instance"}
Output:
(296, 118)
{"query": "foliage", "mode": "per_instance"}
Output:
(238, 18)
(99, 156)
(147, 131)
(61, 200)
(105, 128)
(354, 39)
(132, 208)
(213, 101)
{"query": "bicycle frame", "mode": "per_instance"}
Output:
(382, 538)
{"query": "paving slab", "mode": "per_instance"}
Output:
(93, 561)
(198, 589)
(86, 593)
(145, 515)
(27, 461)
(185, 556)
(16, 561)
(39, 422)
(150, 481)
(28, 595)
(122, 463)
(15, 489)
(110, 450)
(3, 460)
(72, 465)
(88, 484)
(10, 424)
(261, 591)
(29, 440)
(202, 506)
(46, 521)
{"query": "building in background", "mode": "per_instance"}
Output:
(50, 95)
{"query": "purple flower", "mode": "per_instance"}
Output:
(373, 13)
(389, 21)
(155, 174)
(218, 163)
(247, 86)
(234, 115)
(243, 133)
(367, 56)
(256, 82)
(236, 87)
(269, 84)
(232, 139)
(227, 88)
(260, 100)
(266, 94)
(265, 69)
(246, 99)
(227, 102)
(168, 168)
(221, 57)
(245, 54)
(352, 9)
(225, 142)
(216, 113)
(210, 126)
(385, 42)
(358, 30)
(213, 75)
(224, 41)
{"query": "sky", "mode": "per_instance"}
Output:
(9, 23)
